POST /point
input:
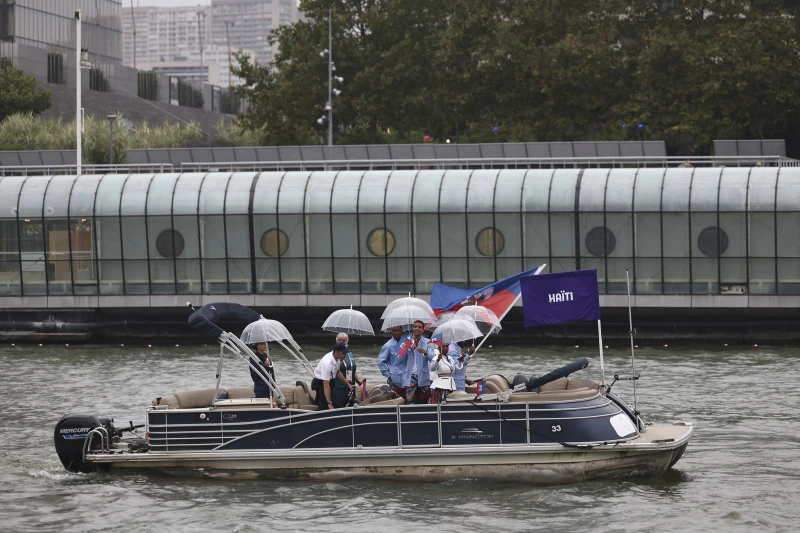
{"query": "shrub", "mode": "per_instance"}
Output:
(148, 86)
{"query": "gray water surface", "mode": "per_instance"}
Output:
(741, 472)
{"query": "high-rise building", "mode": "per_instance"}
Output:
(173, 35)
(51, 25)
(164, 34)
(249, 24)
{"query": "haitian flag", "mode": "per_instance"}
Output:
(499, 296)
(436, 340)
(560, 298)
(403, 350)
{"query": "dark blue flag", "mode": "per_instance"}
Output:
(560, 298)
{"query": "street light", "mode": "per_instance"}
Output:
(229, 23)
(331, 78)
(81, 61)
(200, 32)
(111, 119)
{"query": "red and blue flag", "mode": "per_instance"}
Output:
(480, 387)
(498, 297)
(436, 340)
(403, 350)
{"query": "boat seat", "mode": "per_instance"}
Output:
(492, 387)
(559, 384)
(396, 401)
(554, 396)
(194, 398)
(579, 383)
(238, 393)
(499, 381)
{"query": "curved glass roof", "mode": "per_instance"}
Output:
(424, 191)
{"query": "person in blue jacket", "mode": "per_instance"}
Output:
(460, 358)
(388, 363)
(417, 376)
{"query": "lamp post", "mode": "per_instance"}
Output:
(111, 119)
(78, 106)
(229, 23)
(133, 23)
(331, 78)
(200, 36)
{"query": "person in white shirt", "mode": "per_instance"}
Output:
(444, 366)
(326, 372)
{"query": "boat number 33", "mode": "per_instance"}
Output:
(556, 428)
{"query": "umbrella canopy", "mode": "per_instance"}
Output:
(442, 319)
(457, 330)
(408, 302)
(265, 330)
(348, 321)
(405, 316)
(485, 319)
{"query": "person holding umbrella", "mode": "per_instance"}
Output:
(346, 376)
(460, 359)
(265, 367)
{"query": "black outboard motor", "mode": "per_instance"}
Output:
(70, 436)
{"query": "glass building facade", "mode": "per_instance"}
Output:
(679, 231)
(50, 24)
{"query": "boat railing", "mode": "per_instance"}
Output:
(105, 443)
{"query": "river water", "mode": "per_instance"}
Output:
(741, 472)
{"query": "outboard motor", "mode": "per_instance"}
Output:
(70, 435)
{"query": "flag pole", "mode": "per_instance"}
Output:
(500, 319)
(602, 366)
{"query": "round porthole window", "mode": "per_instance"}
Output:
(274, 243)
(170, 243)
(380, 242)
(712, 241)
(600, 241)
(490, 242)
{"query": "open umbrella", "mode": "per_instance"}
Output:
(405, 316)
(485, 319)
(265, 330)
(457, 330)
(408, 302)
(348, 321)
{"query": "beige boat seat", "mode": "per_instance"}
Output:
(395, 401)
(238, 393)
(559, 384)
(554, 396)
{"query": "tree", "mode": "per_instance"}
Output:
(381, 49)
(18, 92)
(714, 70)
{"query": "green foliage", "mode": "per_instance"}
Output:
(233, 133)
(55, 68)
(98, 80)
(148, 86)
(189, 96)
(26, 132)
(689, 71)
(18, 92)
(229, 103)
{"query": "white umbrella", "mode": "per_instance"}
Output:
(407, 302)
(442, 319)
(265, 330)
(348, 321)
(457, 330)
(405, 316)
(485, 319)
